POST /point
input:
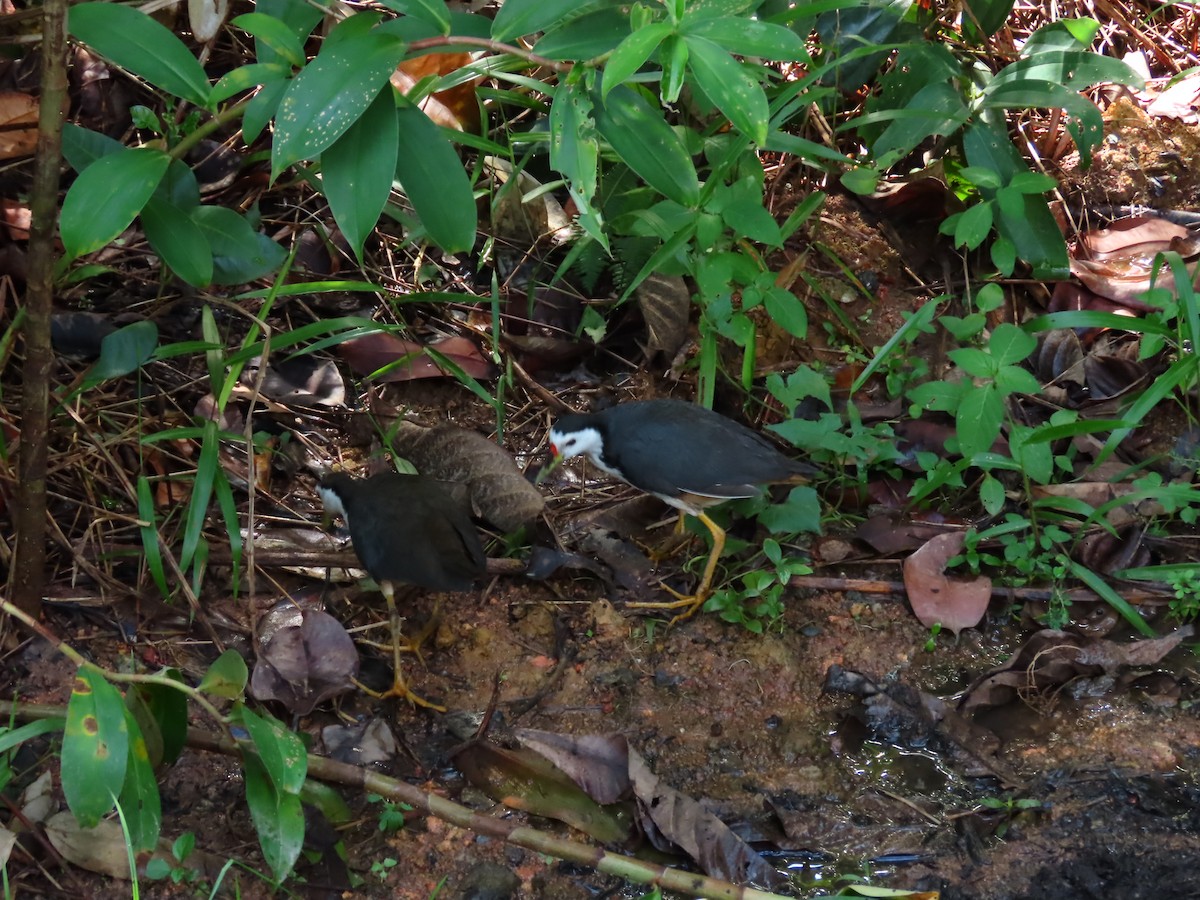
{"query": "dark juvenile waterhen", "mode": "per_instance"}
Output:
(407, 529)
(687, 456)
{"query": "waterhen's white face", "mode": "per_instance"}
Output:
(582, 441)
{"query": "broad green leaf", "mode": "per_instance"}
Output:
(716, 9)
(1036, 458)
(574, 148)
(281, 751)
(730, 86)
(935, 110)
(299, 16)
(786, 311)
(1072, 69)
(588, 36)
(518, 17)
(1035, 234)
(226, 677)
(800, 512)
(262, 107)
(139, 795)
(107, 196)
(648, 145)
(986, 15)
(991, 495)
(240, 253)
(278, 819)
(632, 54)
(434, 179)
(1010, 343)
(434, 12)
(330, 94)
(974, 224)
(95, 749)
(169, 709)
(975, 362)
(977, 422)
(81, 146)
(750, 37)
(136, 42)
(275, 34)
(673, 54)
(357, 171)
(179, 241)
(245, 77)
(1014, 379)
(124, 351)
(179, 188)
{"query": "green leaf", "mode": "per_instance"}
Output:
(95, 749)
(978, 419)
(986, 15)
(730, 86)
(1010, 343)
(240, 253)
(275, 773)
(330, 94)
(432, 11)
(151, 551)
(1014, 379)
(648, 145)
(262, 107)
(750, 37)
(357, 171)
(226, 677)
(169, 708)
(81, 146)
(1073, 70)
(136, 42)
(139, 795)
(632, 54)
(107, 195)
(974, 362)
(179, 241)
(973, 225)
(937, 109)
(588, 36)
(278, 819)
(673, 54)
(281, 751)
(991, 495)
(124, 351)
(574, 148)
(800, 512)
(433, 178)
(786, 311)
(275, 34)
(245, 77)
(518, 17)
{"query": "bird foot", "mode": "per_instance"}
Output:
(409, 645)
(692, 602)
(400, 689)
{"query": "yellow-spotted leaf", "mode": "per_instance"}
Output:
(95, 749)
(139, 795)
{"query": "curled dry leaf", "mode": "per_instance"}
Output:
(954, 603)
(103, 849)
(301, 380)
(306, 663)
(407, 360)
(607, 765)
(497, 489)
(1051, 659)
(367, 743)
(517, 222)
(456, 107)
(666, 305)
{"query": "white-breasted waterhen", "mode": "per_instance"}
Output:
(687, 456)
(407, 529)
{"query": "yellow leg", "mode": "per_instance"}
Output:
(399, 686)
(695, 600)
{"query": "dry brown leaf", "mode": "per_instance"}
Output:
(954, 603)
(666, 306)
(455, 107)
(370, 353)
(16, 110)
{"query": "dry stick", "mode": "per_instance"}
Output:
(29, 568)
(626, 867)
(334, 772)
(872, 586)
